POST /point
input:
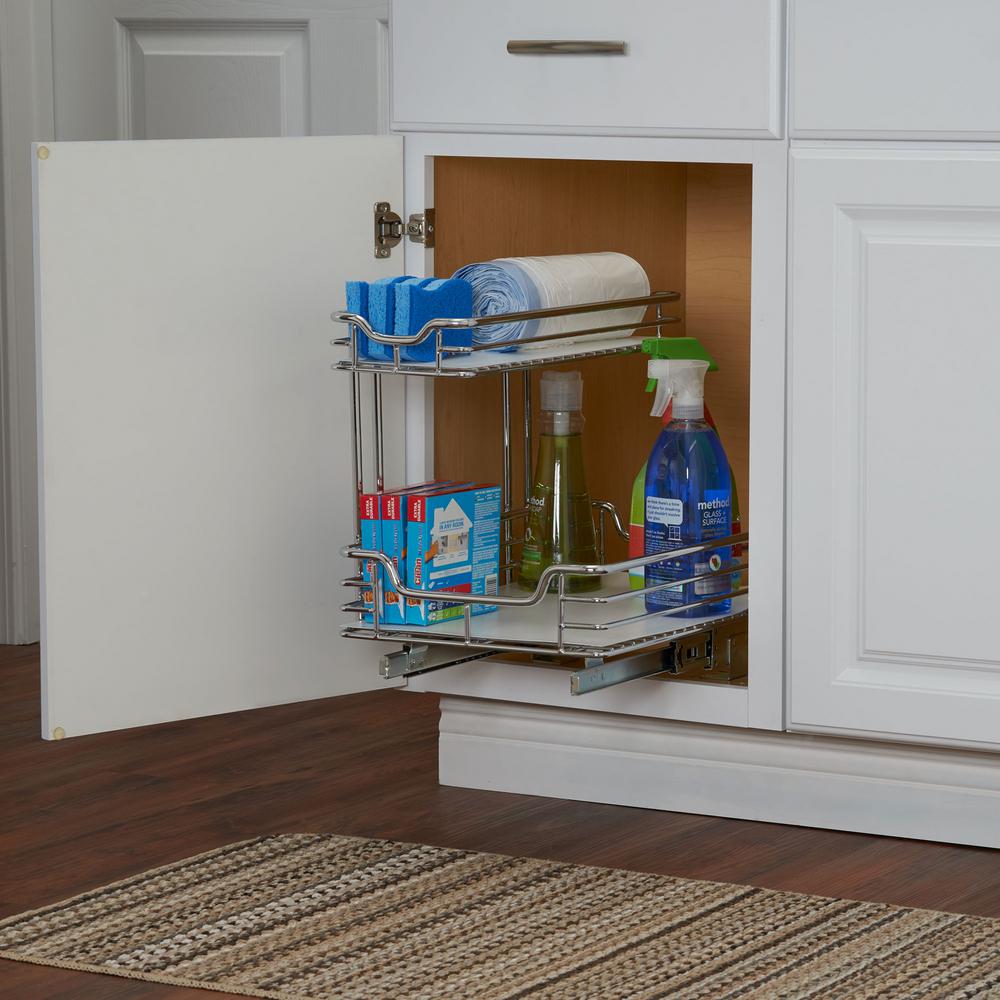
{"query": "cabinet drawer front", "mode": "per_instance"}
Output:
(689, 67)
(871, 68)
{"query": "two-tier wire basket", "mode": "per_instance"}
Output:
(602, 630)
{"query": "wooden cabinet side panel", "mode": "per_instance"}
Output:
(683, 224)
(510, 207)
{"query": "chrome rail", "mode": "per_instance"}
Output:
(553, 573)
(436, 328)
(554, 641)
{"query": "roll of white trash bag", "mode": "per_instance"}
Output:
(515, 284)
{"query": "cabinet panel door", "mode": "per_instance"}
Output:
(893, 460)
(196, 464)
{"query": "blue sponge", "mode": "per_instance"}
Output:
(357, 303)
(382, 309)
(418, 302)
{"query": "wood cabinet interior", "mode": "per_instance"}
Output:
(689, 227)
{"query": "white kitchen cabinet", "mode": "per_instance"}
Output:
(670, 67)
(893, 417)
(870, 594)
(894, 69)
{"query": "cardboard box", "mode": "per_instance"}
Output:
(452, 544)
(393, 543)
(371, 539)
(374, 537)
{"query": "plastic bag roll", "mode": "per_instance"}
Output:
(514, 284)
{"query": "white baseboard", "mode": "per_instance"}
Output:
(839, 784)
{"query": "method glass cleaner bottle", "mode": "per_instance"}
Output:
(689, 496)
(560, 526)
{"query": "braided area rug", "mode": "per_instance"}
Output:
(311, 916)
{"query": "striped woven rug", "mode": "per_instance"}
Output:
(310, 916)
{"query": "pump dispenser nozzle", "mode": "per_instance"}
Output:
(679, 382)
(659, 382)
(562, 396)
(667, 357)
(687, 386)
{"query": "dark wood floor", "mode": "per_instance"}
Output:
(86, 811)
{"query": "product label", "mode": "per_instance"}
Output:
(708, 517)
(664, 510)
(390, 507)
(715, 512)
(417, 507)
(452, 545)
(368, 505)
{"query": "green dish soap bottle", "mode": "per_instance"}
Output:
(560, 526)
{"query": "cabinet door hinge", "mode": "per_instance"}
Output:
(420, 228)
(389, 229)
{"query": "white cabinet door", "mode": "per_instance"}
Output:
(196, 470)
(894, 461)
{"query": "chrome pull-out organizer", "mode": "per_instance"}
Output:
(604, 637)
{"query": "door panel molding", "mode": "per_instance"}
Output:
(250, 49)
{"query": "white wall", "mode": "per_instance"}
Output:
(26, 113)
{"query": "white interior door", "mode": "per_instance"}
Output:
(195, 474)
(151, 69)
(158, 69)
(894, 481)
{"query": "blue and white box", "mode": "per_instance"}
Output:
(452, 545)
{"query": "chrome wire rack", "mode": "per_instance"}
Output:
(537, 621)
(605, 627)
(479, 359)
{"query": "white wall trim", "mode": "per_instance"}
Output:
(26, 114)
(839, 784)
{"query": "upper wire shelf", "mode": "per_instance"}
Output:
(480, 359)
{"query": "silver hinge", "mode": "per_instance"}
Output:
(420, 227)
(389, 229)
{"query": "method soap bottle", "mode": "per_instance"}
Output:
(667, 349)
(689, 496)
(560, 526)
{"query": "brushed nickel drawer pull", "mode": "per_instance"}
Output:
(564, 47)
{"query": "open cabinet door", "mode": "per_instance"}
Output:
(195, 465)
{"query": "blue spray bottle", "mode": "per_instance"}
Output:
(689, 495)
